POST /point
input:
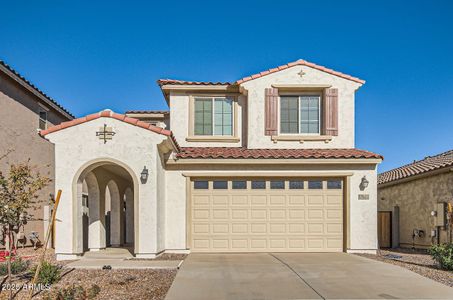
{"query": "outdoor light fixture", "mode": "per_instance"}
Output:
(364, 183)
(144, 175)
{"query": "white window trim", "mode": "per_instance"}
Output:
(213, 116)
(298, 114)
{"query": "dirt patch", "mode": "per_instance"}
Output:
(114, 284)
(417, 261)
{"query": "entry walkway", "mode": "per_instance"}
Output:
(119, 258)
(298, 276)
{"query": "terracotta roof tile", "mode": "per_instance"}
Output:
(299, 62)
(162, 82)
(164, 112)
(111, 114)
(236, 152)
(427, 164)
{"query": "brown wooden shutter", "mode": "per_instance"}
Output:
(330, 112)
(271, 111)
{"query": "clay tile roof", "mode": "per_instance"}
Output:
(163, 112)
(299, 62)
(162, 82)
(113, 115)
(427, 164)
(8, 70)
(242, 153)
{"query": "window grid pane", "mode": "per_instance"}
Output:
(296, 185)
(203, 116)
(220, 185)
(201, 185)
(223, 118)
(289, 115)
(277, 184)
(315, 184)
(309, 112)
(239, 184)
(334, 184)
(258, 184)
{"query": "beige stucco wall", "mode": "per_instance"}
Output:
(290, 76)
(19, 121)
(362, 213)
(251, 110)
(179, 120)
(78, 147)
(416, 199)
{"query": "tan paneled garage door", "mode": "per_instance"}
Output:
(279, 215)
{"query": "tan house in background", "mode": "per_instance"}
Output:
(413, 201)
(24, 110)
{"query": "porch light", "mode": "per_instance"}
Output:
(364, 183)
(144, 175)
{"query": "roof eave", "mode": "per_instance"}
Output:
(17, 78)
(415, 177)
(274, 161)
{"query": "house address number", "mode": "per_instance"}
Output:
(364, 196)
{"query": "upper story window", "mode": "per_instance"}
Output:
(42, 119)
(213, 116)
(300, 114)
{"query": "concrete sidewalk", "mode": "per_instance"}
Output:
(298, 276)
(124, 264)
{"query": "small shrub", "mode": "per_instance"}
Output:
(75, 292)
(443, 255)
(17, 266)
(48, 274)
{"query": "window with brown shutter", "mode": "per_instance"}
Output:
(271, 111)
(330, 112)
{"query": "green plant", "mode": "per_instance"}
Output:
(74, 292)
(17, 266)
(48, 274)
(443, 255)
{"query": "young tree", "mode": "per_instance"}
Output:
(18, 194)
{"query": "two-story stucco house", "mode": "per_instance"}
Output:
(25, 109)
(265, 163)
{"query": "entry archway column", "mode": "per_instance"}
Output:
(96, 230)
(129, 197)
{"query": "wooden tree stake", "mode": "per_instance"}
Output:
(46, 241)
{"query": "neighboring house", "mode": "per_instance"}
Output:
(413, 202)
(263, 164)
(24, 110)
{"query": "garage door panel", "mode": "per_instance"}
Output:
(239, 200)
(296, 213)
(277, 200)
(258, 199)
(281, 220)
(220, 200)
(298, 200)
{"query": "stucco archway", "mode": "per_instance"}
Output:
(110, 185)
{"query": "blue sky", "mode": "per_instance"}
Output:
(91, 55)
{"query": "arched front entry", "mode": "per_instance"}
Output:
(105, 207)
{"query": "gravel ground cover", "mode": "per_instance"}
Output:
(417, 261)
(113, 284)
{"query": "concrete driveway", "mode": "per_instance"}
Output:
(298, 276)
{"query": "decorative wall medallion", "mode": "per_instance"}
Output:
(301, 73)
(105, 133)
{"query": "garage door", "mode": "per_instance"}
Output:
(278, 215)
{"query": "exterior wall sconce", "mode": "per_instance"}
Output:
(364, 183)
(144, 175)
